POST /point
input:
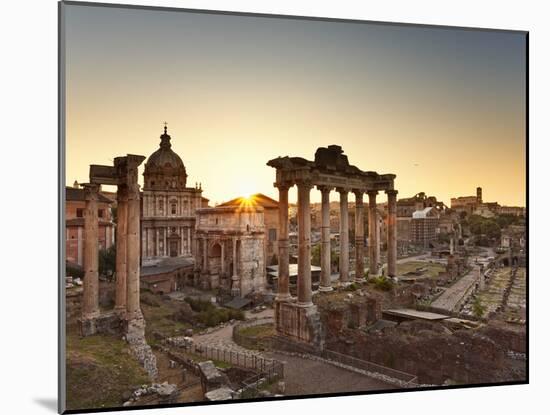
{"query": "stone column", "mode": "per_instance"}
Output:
(222, 259)
(133, 310)
(373, 259)
(157, 244)
(344, 235)
(181, 241)
(360, 237)
(283, 291)
(121, 249)
(79, 247)
(90, 295)
(392, 232)
(378, 217)
(304, 245)
(164, 247)
(235, 288)
(204, 255)
(325, 283)
(188, 240)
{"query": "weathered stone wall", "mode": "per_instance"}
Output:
(251, 268)
(429, 351)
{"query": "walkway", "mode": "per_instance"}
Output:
(305, 376)
(452, 297)
(223, 337)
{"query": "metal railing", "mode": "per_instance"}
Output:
(270, 368)
(348, 360)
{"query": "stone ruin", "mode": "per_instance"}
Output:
(297, 319)
(126, 317)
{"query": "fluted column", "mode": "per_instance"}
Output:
(359, 237)
(283, 290)
(121, 249)
(325, 283)
(373, 258)
(90, 295)
(392, 232)
(133, 309)
(344, 235)
(304, 245)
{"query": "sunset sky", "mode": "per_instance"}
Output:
(443, 109)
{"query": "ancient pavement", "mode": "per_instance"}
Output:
(453, 295)
(305, 376)
(299, 371)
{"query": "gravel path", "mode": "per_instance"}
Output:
(305, 376)
(223, 337)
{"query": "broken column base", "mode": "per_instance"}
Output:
(135, 337)
(103, 323)
(299, 325)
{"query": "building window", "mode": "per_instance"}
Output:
(161, 205)
(216, 221)
(272, 235)
(100, 213)
(80, 213)
(173, 208)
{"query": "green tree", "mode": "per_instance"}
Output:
(478, 308)
(107, 261)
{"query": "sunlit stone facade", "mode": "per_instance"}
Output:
(168, 205)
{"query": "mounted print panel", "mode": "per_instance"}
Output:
(275, 207)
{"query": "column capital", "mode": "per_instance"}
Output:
(122, 193)
(324, 188)
(283, 186)
(91, 191)
(372, 192)
(358, 193)
(391, 192)
(305, 184)
(342, 190)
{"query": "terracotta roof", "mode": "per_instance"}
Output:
(76, 194)
(258, 199)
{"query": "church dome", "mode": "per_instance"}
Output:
(164, 169)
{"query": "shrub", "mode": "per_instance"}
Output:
(382, 283)
(478, 308)
(352, 287)
(74, 271)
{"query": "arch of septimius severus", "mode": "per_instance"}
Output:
(298, 318)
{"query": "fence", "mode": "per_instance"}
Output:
(348, 360)
(269, 368)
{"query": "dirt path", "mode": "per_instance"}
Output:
(305, 376)
(223, 337)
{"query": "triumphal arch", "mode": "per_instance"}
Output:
(297, 318)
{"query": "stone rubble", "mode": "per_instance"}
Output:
(135, 337)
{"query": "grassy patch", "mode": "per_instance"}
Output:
(100, 369)
(255, 337)
(432, 269)
(211, 315)
(160, 316)
(382, 283)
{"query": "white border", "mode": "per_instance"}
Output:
(29, 202)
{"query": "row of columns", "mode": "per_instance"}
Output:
(304, 239)
(127, 258)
